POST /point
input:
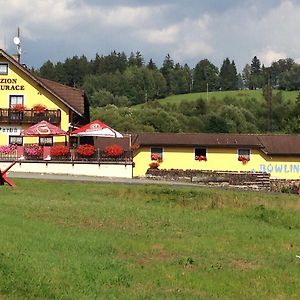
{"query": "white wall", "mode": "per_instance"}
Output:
(98, 170)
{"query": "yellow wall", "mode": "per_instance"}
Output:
(222, 159)
(33, 94)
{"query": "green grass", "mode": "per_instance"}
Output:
(243, 94)
(67, 240)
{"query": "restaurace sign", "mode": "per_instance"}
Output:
(10, 84)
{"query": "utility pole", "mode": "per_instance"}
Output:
(270, 100)
(207, 91)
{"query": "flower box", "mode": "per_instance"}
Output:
(86, 150)
(18, 108)
(201, 157)
(114, 151)
(39, 108)
(60, 151)
(243, 159)
(156, 156)
(33, 151)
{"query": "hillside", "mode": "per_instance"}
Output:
(242, 111)
(241, 94)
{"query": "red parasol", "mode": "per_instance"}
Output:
(43, 128)
(96, 128)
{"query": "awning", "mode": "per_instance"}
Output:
(96, 128)
(43, 128)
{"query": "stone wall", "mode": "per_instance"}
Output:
(243, 180)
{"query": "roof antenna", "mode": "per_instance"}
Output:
(17, 42)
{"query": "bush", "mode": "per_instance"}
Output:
(60, 150)
(8, 149)
(114, 151)
(154, 165)
(33, 150)
(86, 150)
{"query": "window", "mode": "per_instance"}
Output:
(16, 139)
(156, 153)
(3, 68)
(200, 153)
(46, 141)
(243, 154)
(16, 99)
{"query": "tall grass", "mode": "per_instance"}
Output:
(62, 240)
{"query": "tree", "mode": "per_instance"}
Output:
(151, 65)
(279, 67)
(48, 71)
(290, 80)
(256, 78)
(205, 75)
(246, 76)
(228, 76)
(167, 70)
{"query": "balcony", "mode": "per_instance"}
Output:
(29, 116)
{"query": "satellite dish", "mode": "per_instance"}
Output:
(17, 40)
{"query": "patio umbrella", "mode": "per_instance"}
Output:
(43, 128)
(97, 129)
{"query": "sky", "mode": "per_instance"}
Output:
(189, 30)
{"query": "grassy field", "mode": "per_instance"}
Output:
(66, 240)
(243, 94)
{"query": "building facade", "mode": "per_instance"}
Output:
(278, 155)
(26, 99)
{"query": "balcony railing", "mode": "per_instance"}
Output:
(29, 116)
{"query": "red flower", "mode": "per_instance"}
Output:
(201, 157)
(18, 107)
(39, 108)
(86, 150)
(60, 150)
(114, 151)
(243, 159)
(155, 156)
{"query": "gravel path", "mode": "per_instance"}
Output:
(96, 179)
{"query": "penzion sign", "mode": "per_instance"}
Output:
(10, 84)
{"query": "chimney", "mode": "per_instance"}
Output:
(16, 57)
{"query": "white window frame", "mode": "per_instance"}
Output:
(245, 155)
(47, 138)
(5, 65)
(17, 137)
(154, 150)
(23, 99)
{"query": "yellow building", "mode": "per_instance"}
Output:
(278, 155)
(26, 99)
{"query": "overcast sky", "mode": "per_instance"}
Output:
(189, 30)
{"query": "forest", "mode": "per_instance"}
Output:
(126, 92)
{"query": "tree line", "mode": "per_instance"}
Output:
(123, 81)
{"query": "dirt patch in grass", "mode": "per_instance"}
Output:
(245, 265)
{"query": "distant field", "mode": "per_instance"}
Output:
(66, 240)
(243, 94)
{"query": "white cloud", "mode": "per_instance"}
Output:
(189, 32)
(167, 35)
(268, 56)
(185, 39)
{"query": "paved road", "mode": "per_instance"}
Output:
(96, 179)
